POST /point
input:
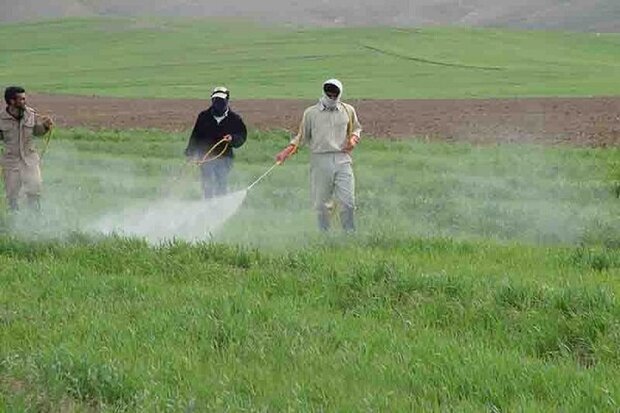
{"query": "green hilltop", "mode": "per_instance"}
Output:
(175, 58)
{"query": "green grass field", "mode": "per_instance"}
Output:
(481, 279)
(166, 58)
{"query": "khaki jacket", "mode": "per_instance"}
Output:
(17, 136)
(327, 131)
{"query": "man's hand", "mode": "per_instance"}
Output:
(285, 153)
(351, 143)
(47, 122)
(227, 138)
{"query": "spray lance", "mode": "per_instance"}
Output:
(280, 158)
(260, 178)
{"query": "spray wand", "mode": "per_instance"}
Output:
(260, 178)
(288, 151)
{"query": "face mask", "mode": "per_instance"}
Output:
(220, 106)
(329, 103)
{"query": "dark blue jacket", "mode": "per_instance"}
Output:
(207, 133)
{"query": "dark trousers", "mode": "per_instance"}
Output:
(214, 177)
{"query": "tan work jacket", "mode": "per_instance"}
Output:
(17, 136)
(327, 131)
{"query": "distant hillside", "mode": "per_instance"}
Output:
(165, 58)
(580, 15)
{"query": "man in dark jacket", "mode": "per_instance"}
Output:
(213, 125)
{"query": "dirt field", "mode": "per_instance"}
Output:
(583, 121)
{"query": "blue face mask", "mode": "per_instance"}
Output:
(220, 106)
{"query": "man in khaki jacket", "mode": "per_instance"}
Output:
(331, 130)
(20, 160)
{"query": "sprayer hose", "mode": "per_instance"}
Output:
(206, 157)
(48, 138)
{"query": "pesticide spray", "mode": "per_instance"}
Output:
(173, 219)
(176, 219)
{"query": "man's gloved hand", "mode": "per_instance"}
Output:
(351, 143)
(285, 153)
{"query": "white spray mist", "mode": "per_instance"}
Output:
(173, 219)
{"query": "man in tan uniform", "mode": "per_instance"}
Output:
(20, 161)
(331, 130)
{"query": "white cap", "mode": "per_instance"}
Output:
(219, 95)
(220, 92)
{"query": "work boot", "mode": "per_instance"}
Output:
(347, 219)
(13, 205)
(34, 203)
(323, 216)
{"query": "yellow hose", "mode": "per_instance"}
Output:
(206, 158)
(48, 138)
(203, 160)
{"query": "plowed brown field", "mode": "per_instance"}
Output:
(579, 121)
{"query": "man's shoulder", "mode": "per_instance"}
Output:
(205, 117)
(348, 107)
(234, 115)
(4, 115)
(30, 114)
(6, 120)
(312, 109)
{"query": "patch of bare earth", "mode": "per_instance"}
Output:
(578, 121)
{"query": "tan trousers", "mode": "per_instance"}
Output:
(18, 175)
(331, 176)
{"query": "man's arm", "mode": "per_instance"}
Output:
(305, 131)
(354, 129)
(357, 127)
(42, 125)
(303, 135)
(192, 144)
(240, 134)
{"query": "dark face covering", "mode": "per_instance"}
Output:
(220, 106)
